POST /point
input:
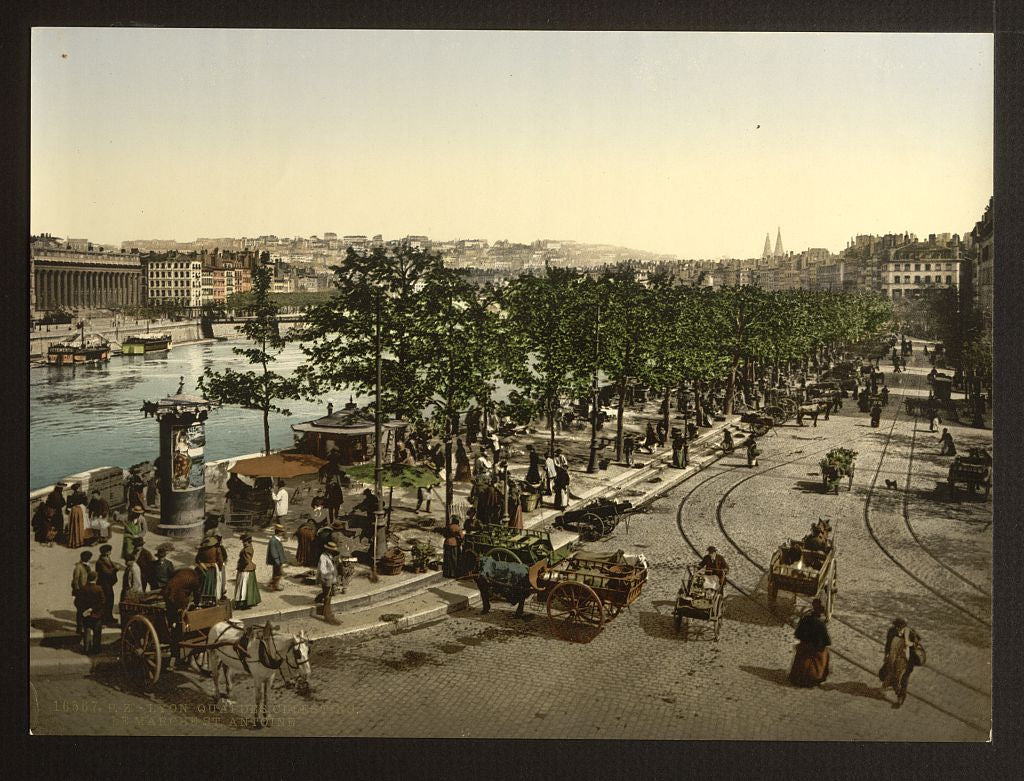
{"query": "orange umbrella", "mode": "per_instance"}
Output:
(279, 465)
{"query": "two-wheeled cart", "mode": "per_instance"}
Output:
(699, 599)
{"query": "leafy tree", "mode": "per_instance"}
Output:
(255, 390)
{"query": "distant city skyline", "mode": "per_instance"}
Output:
(689, 144)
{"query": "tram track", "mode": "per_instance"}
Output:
(750, 593)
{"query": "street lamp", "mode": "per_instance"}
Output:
(504, 494)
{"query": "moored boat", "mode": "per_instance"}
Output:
(146, 343)
(84, 349)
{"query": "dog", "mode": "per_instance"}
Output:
(891, 484)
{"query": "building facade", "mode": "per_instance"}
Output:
(174, 278)
(916, 267)
(80, 276)
(982, 278)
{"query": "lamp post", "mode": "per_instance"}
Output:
(504, 493)
(596, 404)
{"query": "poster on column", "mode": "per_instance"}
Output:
(188, 443)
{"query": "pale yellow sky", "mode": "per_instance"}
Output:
(695, 144)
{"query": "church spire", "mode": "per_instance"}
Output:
(778, 244)
(767, 247)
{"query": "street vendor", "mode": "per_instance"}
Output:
(714, 564)
(753, 451)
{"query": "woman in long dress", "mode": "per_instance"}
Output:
(76, 517)
(898, 662)
(206, 565)
(463, 473)
(247, 590)
(304, 551)
(453, 536)
(810, 664)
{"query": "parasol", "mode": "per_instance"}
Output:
(395, 475)
(279, 465)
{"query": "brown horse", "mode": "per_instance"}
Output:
(180, 592)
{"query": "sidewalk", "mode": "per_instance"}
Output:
(393, 602)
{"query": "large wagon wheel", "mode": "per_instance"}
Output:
(790, 406)
(609, 522)
(590, 527)
(504, 554)
(777, 414)
(140, 652)
(760, 429)
(575, 611)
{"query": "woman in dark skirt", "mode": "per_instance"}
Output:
(453, 535)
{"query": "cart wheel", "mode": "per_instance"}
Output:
(777, 414)
(469, 563)
(575, 611)
(789, 406)
(590, 527)
(140, 652)
(504, 554)
(760, 429)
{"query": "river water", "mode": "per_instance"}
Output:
(84, 417)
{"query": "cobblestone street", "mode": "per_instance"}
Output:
(908, 551)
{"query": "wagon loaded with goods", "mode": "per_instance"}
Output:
(973, 471)
(837, 464)
(807, 568)
(504, 543)
(596, 520)
(699, 599)
(759, 424)
(582, 591)
(147, 636)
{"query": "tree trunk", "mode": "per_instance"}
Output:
(665, 417)
(266, 430)
(618, 423)
(449, 487)
(551, 423)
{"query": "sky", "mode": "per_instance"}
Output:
(692, 144)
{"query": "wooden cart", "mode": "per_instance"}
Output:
(805, 571)
(584, 590)
(594, 521)
(699, 599)
(504, 543)
(973, 471)
(146, 637)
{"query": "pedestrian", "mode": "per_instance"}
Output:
(472, 425)
(79, 577)
(275, 558)
(207, 569)
(650, 438)
(222, 566)
(533, 472)
(131, 584)
(305, 553)
(333, 500)
(327, 571)
(463, 473)
(42, 527)
(728, 445)
(370, 504)
(247, 590)
(76, 517)
(152, 490)
(628, 444)
(549, 473)
(678, 440)
(482, 467)
(453, 536)
(561, 485)
(515, 504)
(934, 421)
(145, 560)
(946, 440)
(280, 498)
(90, 605)
(136, 490)
(662, 433)
(488, 504)
(876, 414)
(99, 513)
(885, 396)
(753, 451)
(161, 571)
(106, 577)
(811, 661)
(903, 652)
(134, 526)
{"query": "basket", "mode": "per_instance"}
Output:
(391, 563)
(529, 501)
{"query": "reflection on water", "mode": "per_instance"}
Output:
(89, 416)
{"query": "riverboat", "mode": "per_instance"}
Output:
(85, 350)
(146, 343)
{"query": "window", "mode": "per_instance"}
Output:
(927, 266)
(917, 267)
(917, 279)
(906, 267)
(897, 293)
(949, 279)
(928, 279)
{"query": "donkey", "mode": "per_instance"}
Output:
(226, 653)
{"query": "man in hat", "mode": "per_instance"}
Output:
(99, 514)
(810, 663)
(136, 488)
(207, 569)
(280, 497)
(145, 561)
(79, 577)
(902, 653)
(162, 569)
(275, 557)
(714, 564)
(247, 590)
(327, 570)
(132, 581)
(106, 577)
(134, 526)
(90, 605)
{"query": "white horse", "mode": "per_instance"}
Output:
(290, 660)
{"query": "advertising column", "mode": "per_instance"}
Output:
(180, 467)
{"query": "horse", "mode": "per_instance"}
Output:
(226, 654)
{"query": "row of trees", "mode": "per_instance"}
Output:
(445, 341)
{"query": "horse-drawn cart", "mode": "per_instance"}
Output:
(504, 543)
(700, 599)
(758, 423)
(594, 521)
(806, 569)
(147, 636)
(837, 464)
(583, 590)
(973, 471)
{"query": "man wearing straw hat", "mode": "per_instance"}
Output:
(275, 558)
(328, 573)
